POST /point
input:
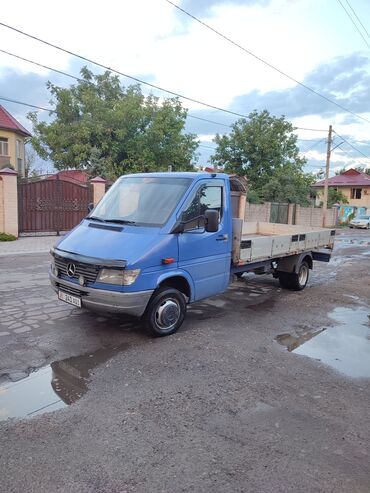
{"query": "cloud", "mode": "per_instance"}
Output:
(201, 7)
(345, 80)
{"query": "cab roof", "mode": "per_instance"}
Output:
(179, 174)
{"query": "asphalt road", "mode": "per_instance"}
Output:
(221, 406)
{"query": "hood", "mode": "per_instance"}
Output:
(130, 243)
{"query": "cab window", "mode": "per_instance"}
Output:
(207, 197)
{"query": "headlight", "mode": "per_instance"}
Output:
(118, 276)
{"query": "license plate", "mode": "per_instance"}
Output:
(68, 298)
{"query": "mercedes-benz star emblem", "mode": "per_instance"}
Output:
(71, 270)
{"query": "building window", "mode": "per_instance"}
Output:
(4, 147)
(356, 193)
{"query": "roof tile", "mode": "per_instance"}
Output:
(8, 122)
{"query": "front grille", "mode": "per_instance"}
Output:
(73, 291)
(89, 272)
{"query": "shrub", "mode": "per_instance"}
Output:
(7, 237)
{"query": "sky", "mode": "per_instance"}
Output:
(313, 41)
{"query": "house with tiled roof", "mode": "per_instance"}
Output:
(354, 184)
(12, 140)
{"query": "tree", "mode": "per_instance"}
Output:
(105, 128)
(264, 148)
(285, 186)
(336, 196)
(361, 169)
(29, 161)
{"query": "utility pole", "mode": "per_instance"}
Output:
(328, 153)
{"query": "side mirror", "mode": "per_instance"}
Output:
(211, 217)
(90, 207)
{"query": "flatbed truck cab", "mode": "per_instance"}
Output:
(159, 241)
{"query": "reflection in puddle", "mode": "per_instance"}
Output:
(292, 342)
(52, 387)
(345, 347)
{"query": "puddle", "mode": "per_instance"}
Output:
(352, 241)
(52, 387)
(293, 342)
(344, 347)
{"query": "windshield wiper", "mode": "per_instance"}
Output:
(120, 221)
(95, 218)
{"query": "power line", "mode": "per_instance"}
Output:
(207, 147)
(313, 145)
(311, 129)
(208, 121)
(351, 145)
(359, 20)
(41, 65)
(136, 79)
(154, 86)
(270, 65)
(82, 80)
(26, 104)
(33, 62)
(354, 23)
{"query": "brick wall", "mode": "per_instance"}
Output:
(1, 206)
(8, 202)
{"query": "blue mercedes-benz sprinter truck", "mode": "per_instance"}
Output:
(159, 241)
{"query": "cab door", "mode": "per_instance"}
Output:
(206, 256)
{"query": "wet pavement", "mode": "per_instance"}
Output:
(344, 346)
(53, 386)
(262, 390)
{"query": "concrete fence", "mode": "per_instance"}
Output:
(303, 216)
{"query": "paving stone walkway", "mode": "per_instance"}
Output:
(28, 244)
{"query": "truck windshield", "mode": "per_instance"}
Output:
(144, 201)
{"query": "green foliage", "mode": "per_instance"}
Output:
(109, 130)
(264, 148)
(7, 237)
(253, 197)
(291, 187)
(336, 197)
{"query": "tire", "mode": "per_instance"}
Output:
(165, 312)
(295, 281)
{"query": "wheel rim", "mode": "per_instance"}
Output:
(167, 314)
(303, 275)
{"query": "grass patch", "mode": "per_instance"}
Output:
(7, 237)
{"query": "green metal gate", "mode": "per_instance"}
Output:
(279, 213)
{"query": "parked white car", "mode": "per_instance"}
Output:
(360, 222)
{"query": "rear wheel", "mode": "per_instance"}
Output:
(295, 281)
(165, 312)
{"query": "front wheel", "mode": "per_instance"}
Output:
(295, 281)
(165, 312)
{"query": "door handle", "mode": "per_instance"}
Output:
(222, 238)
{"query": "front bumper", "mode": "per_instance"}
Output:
(102, 300)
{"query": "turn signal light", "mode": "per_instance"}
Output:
(168, 260)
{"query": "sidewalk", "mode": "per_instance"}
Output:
(29, 244)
